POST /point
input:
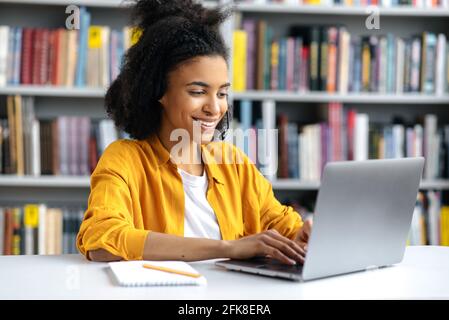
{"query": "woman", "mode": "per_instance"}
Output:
(150, 202)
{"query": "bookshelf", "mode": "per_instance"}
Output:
(84, 182)
(333, 10)
(305, 108)
(99, 4)
(280, 13)
(409, 98)
(52, 91)
(258, 95)
(52, 101)
(118, 4)
(293, 184)
(45, 181)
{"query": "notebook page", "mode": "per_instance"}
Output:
(132, 273)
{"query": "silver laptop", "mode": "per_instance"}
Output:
(362, 219)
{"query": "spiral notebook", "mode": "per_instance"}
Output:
(133, 274)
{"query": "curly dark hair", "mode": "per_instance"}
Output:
(173, 31)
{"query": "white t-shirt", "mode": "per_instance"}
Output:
(199, 217)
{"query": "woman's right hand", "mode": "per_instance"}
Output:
(268, 243)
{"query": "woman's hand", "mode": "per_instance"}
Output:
(267, 243)
(303, 236)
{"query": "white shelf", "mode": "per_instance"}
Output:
(409, 98)
(294, 184)
(30, 90)
(342, 10)
(84, 182)
(88, 3)
(45, 181)
(414, 98)
(262, 8)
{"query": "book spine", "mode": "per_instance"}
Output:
(17, 55)
(249, 26)
(8, 56)
(441, 64)
(80, 79)
(274, 65)
(239, 60)
(415, 65)
(314, 58)
(324, 50)
(290, 63)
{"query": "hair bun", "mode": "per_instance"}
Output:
(146, 13)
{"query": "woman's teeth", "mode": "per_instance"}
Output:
(207, 124)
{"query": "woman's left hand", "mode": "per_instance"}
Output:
(302, 238)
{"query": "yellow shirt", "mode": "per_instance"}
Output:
(136, 189)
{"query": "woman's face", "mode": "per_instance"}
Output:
(196, 97)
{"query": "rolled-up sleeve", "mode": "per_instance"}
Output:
(275, 215)
(108, 221)
(272, 214)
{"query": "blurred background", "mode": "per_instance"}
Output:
(339, 79)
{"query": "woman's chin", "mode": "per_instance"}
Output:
(206, 138)
(207, 135)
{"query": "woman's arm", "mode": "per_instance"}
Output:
(258, 190)
(160, 246)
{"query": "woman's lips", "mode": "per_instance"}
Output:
(206, 124)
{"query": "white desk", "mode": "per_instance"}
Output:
(424, 273)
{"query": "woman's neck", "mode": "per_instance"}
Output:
(186, 153)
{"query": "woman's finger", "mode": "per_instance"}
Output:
(284, 248)
(277, 254)
(308, 229)
(291, 243)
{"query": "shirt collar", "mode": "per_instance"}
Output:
(207, 150)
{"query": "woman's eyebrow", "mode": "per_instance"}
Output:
(204, 84)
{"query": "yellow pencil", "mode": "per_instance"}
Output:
(165, 269)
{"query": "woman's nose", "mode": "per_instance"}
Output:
(212, 106)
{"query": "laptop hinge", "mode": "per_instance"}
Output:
(370, 268)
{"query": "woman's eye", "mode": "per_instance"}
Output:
(222, 95)
(196, 92)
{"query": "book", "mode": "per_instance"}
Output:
(270, 155)
(239, 60)
(440, 64)
(4, 40)
(133, 274)
(249, 26)
(444, 226)
(31, 222)
(80, 79)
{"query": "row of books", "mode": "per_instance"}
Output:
(66, 145)
(359, 139)
(354, 3)
(39, 229)
(430, 223)
(300, 150)
(90, 56)
(329, 58)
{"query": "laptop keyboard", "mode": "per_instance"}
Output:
(275, 265)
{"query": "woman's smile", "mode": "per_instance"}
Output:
(206, 124)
